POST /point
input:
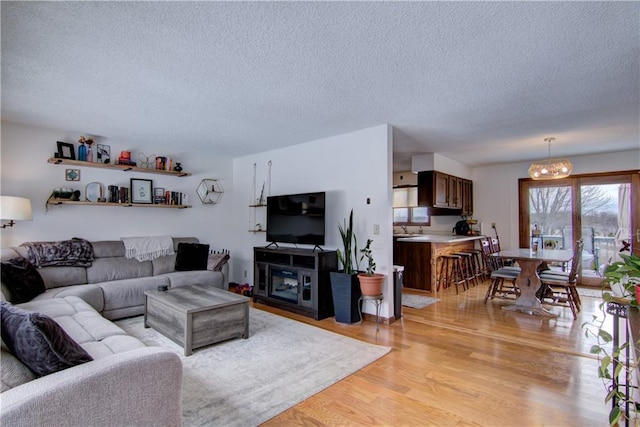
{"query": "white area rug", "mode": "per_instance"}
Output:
(417, 301)
(245, 382)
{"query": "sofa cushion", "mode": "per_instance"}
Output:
(117, 268)
(108, 248)
(164, 264)
(57, 307)
(129, 293)
(22, 279)
(192, 256)
(13, 372)
(112, 345)
(38, 341)
(55, 277)
(91, 294)
(9, 253)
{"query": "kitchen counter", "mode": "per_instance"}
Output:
(418, 253)
(435, 238)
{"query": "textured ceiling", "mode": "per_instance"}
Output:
(479, 82)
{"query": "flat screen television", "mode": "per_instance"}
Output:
(296, 218)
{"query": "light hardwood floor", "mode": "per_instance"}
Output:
(461, 362)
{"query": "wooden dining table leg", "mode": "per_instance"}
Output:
(529, 282)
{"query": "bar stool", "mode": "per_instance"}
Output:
(466, 267)
(477, 263)
(451, 272)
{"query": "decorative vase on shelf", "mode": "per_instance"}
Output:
(89, 150)
(82, 151)
(177, 167)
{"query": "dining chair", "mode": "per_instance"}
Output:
(502, 279)
(489, 247)
(590, 254)
(559, 288)
(495, 247)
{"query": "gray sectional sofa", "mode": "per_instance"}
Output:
(126, 383)
(114, 285)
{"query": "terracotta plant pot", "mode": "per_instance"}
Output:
(371, 285)
(638, 293)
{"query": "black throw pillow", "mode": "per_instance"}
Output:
(22, 279)
(38, 341)
(192, 256)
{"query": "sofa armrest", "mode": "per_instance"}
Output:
(137, 387)
(225, 275)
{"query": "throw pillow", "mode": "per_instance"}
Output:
(22, 279)
(216, 261)
(192, 256)
(38, 341)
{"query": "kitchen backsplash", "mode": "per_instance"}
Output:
(439, 225)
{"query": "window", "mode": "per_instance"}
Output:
(594, 207)
(405, 207)
(411, 216)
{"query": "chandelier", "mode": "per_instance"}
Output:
(550, 168)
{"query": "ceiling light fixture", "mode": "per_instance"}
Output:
(550, 168)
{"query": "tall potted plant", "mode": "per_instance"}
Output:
(370, 282)
(623, 278)
(345, 287)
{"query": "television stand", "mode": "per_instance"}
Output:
(295, 280)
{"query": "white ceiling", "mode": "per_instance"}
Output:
(479, 82)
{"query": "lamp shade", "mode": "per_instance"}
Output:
(15, 208)
(550, 168)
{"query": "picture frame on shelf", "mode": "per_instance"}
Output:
(72, 174)
(104, 154)
(141, 191)
(158, 196)
(66, 151)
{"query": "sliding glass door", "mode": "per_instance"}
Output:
(596, 208)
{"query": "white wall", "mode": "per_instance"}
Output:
(25, 172)
(440, 163)
(350, 168)
(495, 189)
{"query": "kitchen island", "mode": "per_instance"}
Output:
(419, 253)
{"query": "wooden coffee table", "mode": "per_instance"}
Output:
(194, 316)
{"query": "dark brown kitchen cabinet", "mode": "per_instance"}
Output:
(467, 197)
(447, 192)
(433, 189)
(455, 192)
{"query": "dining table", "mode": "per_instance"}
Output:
(528, 281)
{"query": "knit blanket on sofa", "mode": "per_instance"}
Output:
(74, 253)
(147, 248)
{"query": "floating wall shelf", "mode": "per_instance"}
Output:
(121, 205)
(125, 168)
(210, 191)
